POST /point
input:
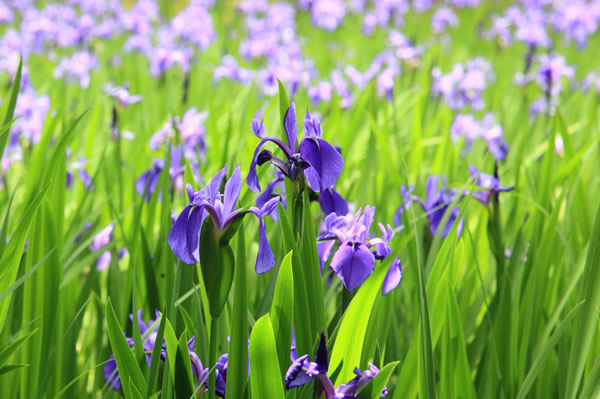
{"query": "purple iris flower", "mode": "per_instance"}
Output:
(437, 203)
(192, 131)
(78, 166)
(185, 234)
(303, 371)
(100, 241)
(148, 180)
(322, 164)
(149, 332)
(490, 185)
(77, 68)
(443, 18)
(465, 125)
(355, 257)
(122, 95)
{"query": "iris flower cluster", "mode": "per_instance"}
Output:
(303, 371)
(439, 198)
(149, 331)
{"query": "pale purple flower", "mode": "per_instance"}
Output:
(230, 69)
(122, 95)
(443, 17)
(328, 14)
(77, 68)
(465, 125)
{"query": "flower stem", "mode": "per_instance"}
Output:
(212, 357)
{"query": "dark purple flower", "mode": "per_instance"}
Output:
(147, 182)
(490, 185)
(436, 204)
(303, 371)
(322, 164)
(148, 332)
(209, 202)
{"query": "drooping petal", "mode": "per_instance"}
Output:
(85, 178)
(289, 124)
(258, 128)
(103, 261)
(232, 191)
(332, 202)
(194, 225)
(314, 182)
(265, 260)
(111, 374)
(326, 160)
(178, 240)
(353, 263)
(392, 277)
(296, 374)
(324, 249)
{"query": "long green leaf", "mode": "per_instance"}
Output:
(237, 369)
(346, 351)
(587, 320)
(282, 312)
(267, 382)
(126, 363)
(10, 109)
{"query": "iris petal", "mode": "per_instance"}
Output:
(353, 263)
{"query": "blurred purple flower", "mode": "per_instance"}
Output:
(77, 68)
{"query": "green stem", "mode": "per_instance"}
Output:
(212, 358)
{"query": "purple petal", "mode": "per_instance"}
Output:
(258, 128)
(332, 202)
(289, 124)
(212, 190)
(353, 263)
(69, 179)
(324, 249)
(265, 260)
(194, 225)
(232, 190)
(252, 178)
(85, 178)
(103, 261)
(322, 358)
(295, 375)
(178, 238)
(111, 374)
(392, 277)
(326, 160)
